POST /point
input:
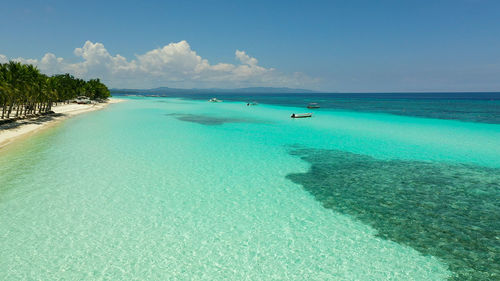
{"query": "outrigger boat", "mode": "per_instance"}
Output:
(313, 105)
(214, 100)
(301, 115)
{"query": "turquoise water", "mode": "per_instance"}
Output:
(183, 189)
(468, 107)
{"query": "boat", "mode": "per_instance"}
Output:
(82, 100)
(252, 103)
(301, 115)
(313, 105)
(214, 100)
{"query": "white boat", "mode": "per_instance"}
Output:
(252, 103)
(313, 105)
(214, 100)
(82, 100)
(301, 115)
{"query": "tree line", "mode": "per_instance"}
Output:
(25, 91)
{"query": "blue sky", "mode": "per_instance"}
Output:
(346, 46)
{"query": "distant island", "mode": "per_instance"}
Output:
(250, 90)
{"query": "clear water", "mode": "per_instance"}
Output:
(182, 189)
(467, 107)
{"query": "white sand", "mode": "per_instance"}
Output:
(22, 128)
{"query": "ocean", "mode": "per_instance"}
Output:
(372, 187)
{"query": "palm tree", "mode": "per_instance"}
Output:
(30, 92)
(14, 81)
(3, 89)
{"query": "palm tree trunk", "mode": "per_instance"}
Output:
(4, 108)
(23, 108)
(10, 110)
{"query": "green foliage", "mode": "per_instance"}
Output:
(94, 89)
(24, 88)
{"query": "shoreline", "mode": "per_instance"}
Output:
(21, 128)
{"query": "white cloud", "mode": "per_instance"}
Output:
(26, 61)
(245, 59)
(175, 64)
(51, 64)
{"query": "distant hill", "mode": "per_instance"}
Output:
(251, 90)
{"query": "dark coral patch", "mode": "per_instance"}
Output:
(209, 120)
(450, 211)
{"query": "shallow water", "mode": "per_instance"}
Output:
(446, 210)
(169, 188)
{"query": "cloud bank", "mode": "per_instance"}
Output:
(175, 65)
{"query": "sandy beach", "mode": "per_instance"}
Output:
(21, 128)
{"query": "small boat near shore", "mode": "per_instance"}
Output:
(252, 103)
(313, 105)
(214, 100)
(82, 100)
(301, 115)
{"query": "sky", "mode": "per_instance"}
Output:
(332, 46)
